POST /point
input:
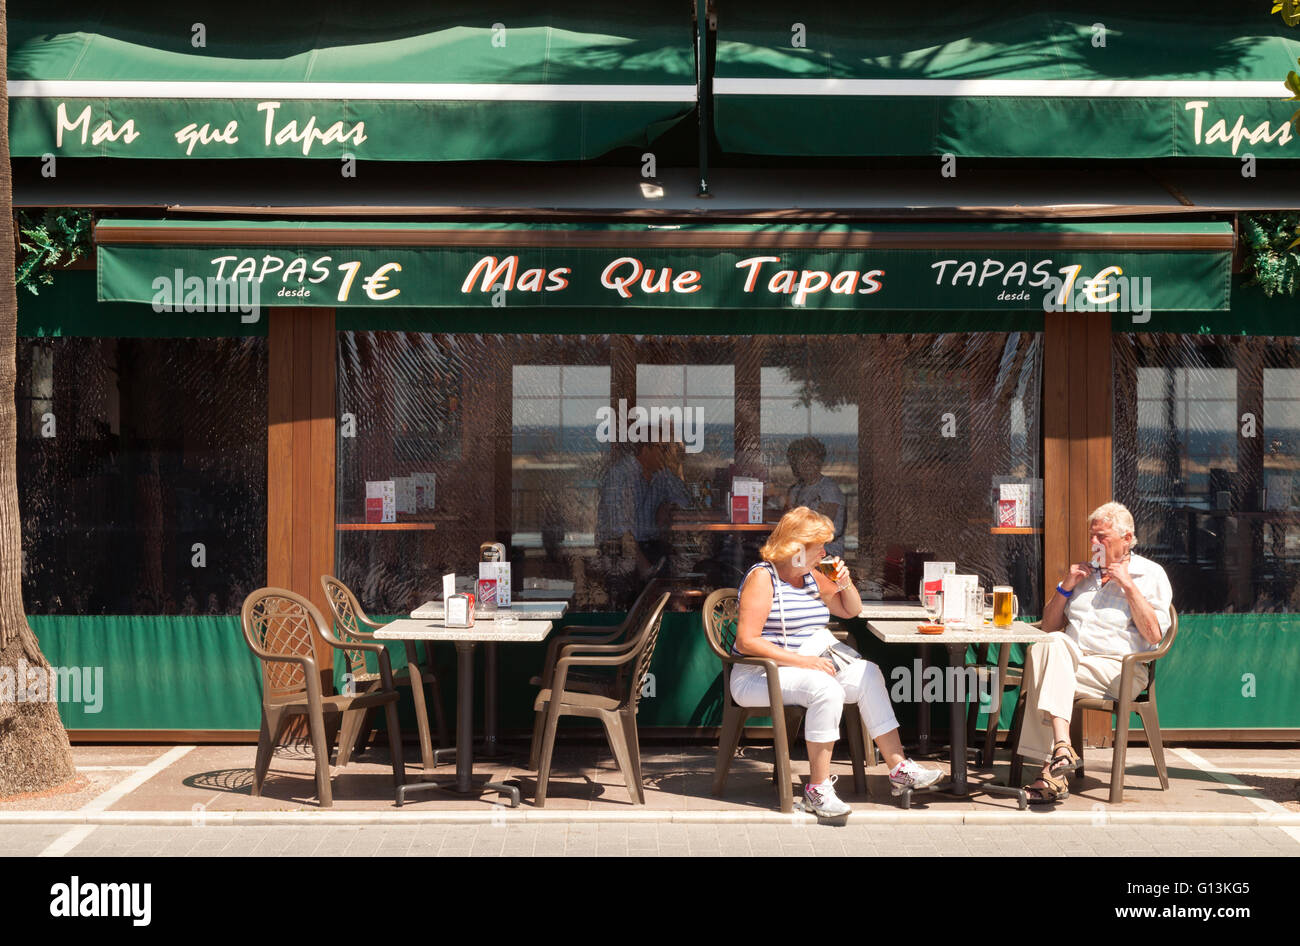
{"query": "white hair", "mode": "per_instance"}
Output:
(1115, 515)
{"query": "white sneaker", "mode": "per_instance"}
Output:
(910, 775)
(822, 801)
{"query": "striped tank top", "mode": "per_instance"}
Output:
(804, 610)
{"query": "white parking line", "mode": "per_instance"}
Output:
(65, 842)
(1245, 791)
(136, 779)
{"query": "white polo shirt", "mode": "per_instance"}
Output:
(1098, 616)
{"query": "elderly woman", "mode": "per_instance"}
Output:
(1115, 605)
(785, 605)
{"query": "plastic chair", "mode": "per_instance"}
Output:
(281, 628)
(353, 625)
(721, 614)
(1144, 704)
(581, 637)
(617, 712)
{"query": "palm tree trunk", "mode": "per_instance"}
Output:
(34, 750)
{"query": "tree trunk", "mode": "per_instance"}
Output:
(34, 750)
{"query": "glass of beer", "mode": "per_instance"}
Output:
(827, 567)
(1006, 607)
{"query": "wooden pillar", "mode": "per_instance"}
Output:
(301, 354)
(1077, 448)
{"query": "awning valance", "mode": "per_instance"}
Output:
(1018, 79)
(495, 80)
(1009, 267)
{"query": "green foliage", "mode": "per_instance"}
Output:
(1271, 251)
(55, 237)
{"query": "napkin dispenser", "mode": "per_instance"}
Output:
(459, 610)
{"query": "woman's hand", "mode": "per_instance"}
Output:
(815, 663)
(841, 577)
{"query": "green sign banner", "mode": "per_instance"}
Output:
(174, 268)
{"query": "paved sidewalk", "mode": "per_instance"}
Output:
(656, 840)
(1241, 783)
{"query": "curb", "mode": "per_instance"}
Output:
(496, 815)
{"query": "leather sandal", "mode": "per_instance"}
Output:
(1054, 790)
(1064, 758)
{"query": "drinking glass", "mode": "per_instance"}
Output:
(988, 608)
(1006, 606)
(933, 603)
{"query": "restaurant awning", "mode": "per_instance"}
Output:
(1019, 79)
(1006, 267)
(423, 82)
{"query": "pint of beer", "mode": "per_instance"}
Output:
(827, 567)
(1005, 606)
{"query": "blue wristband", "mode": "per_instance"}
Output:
(1062, 591)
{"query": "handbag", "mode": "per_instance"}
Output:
(821, 642)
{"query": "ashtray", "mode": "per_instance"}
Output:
(929, 628)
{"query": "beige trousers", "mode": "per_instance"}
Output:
(1056, 671)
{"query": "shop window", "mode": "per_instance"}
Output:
(142, 474)
(1207, 441)
(546, 462)
(555, 460)
(801, 434)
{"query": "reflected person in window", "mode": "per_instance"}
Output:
(666, 492)
(819, 493)
(620, 513)
(785, 606)
(1102, 613)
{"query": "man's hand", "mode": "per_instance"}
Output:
(1118, 572)
(1077, 574)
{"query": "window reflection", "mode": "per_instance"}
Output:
(141, 474)
(601, 459)
(1205, 456)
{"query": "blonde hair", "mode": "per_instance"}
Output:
(797, 528)
(1115, 515)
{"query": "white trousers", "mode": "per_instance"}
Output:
(1056, 671)
(860, 682)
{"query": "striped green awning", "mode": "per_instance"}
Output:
(422, 82)
(1014, 79)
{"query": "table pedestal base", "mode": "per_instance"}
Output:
(966, 791)
(959, 785)
(501, 788)
(464, 750)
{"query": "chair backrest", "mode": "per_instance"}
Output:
(634, 620)
(1166, 643)
(646, 638)
(279, 622)
(348, 616)
(721, 617)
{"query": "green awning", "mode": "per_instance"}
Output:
(1017, 79)
(425, 82)
(192, 265)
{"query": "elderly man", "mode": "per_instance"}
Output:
(1115, 605)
